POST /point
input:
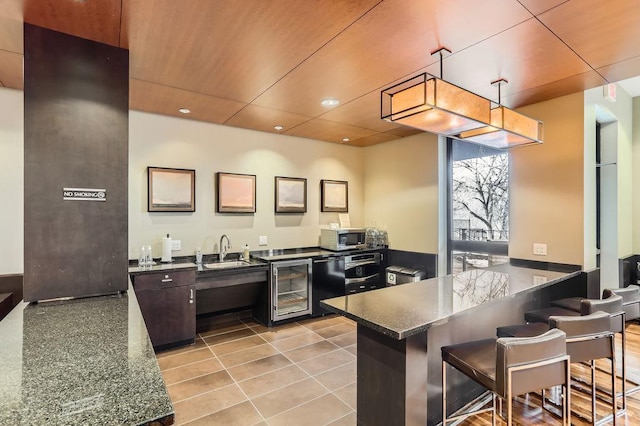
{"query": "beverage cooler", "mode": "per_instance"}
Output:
(290, 289)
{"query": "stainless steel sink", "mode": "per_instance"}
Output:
(229, 264)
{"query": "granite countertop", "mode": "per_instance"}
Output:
(80, 362)
(301, 253)
(404, 310)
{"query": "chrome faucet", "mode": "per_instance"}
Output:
(223, 249)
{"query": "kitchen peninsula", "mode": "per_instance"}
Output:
(85, 361)
(401, 330)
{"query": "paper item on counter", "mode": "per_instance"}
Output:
(345, 221)
(166, 249)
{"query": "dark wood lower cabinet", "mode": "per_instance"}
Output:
(168, 305)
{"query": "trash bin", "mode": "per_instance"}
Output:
(401, 275)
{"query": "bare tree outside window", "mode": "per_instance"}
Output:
(479, 206)
(481, 198)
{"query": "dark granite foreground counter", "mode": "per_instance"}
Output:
(80, 362)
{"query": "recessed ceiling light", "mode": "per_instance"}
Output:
(329, 102)
(184, 110)
(345, 139)
(278, 127)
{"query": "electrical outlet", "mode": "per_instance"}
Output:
(539, 249)
(263, 240)
(176, 245)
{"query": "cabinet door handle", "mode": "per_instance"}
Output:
(167, 280)
(190, 295)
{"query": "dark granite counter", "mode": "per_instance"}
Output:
(408, 309)
(80, 362)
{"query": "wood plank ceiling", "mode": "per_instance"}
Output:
(256, 64)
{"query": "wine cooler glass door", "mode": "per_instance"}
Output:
(291, 289)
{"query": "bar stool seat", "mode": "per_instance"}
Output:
(589, 337)
(543, 315)
(570, 303)
(510, 367)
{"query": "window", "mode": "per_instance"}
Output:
(478, 206)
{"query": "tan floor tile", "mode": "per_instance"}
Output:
(348, 395)
(345, 340)
(184, 358)
(327, 361)
(296, 341)
(323, 322)
(247, 355)
(281, 332)
(210, 402)
(243, 414)
(338, 377)
(237, 345)
(225, 327)
(199, 385)
(310, 351)
(349, 420)
(320, 411)
(251, 322)
(216, 339)
(197, 344)
(258, 367)
(291, 396)
(271, 381)
(336, 330)
(353, 349)
(190, 371)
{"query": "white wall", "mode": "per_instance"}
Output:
(635, 218)
(162, 141)
(11, 181)
(401, 191)
(616, 180)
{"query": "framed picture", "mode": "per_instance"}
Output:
(236, 193)
(334, 196)
(171, 190)
(291, 195)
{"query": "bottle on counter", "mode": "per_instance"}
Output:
(198, 255)
(245, 252)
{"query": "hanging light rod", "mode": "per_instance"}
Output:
(507, 129)
(429, 103)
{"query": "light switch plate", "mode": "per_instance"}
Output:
(263, 240)
(176, 245)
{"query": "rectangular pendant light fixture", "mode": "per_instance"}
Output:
(508, 129)
(428, 103)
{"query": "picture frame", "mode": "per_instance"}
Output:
(334, 196)
(290, 195)
(235, 193)
(171, 190)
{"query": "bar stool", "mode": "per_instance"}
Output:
(614, 305)
(509, 367)
(631, 306)
(589, 337)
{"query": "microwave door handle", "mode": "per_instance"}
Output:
(359, 280)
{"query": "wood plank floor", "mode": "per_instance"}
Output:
(527, 409)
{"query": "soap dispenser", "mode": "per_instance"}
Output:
(245, 252)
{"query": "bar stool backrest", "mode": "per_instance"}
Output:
(589, 337)
(531, 363)
(612, 305)
(630, 300)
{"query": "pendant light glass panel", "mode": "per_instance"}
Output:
(508, 129)
(428, 103)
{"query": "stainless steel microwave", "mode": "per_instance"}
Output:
(342, 239)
